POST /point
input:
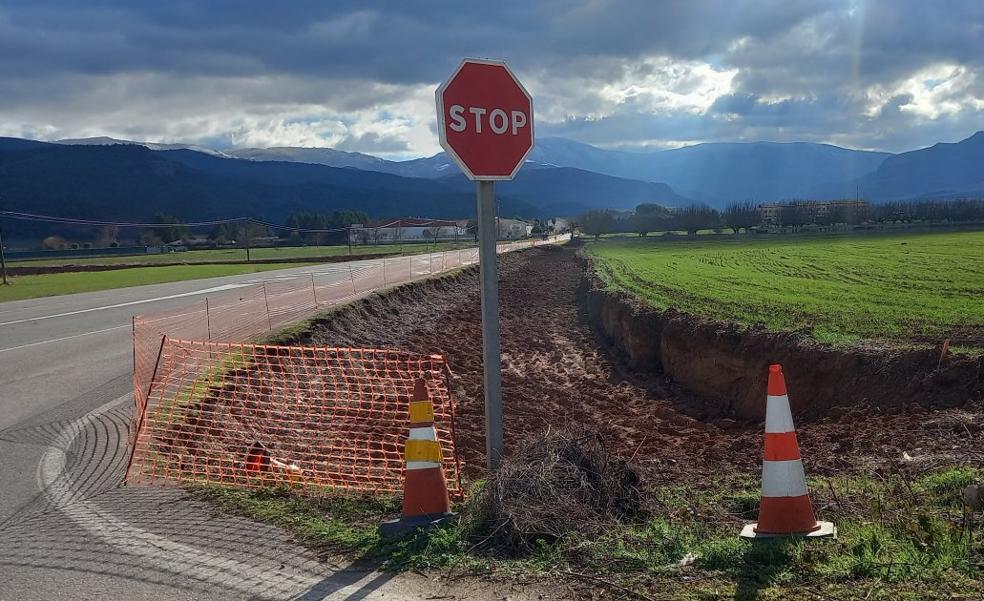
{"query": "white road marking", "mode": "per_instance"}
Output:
(118, 305)
(156, 550)
(14, 348)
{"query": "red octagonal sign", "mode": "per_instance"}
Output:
(485, 119)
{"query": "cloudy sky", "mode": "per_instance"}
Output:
(883, 74)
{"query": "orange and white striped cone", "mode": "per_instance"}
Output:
(785, 508)
(425, 490)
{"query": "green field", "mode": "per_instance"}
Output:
(238, 254)
(840, 289)
(35, 286)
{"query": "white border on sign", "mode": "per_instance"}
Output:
(442, 136)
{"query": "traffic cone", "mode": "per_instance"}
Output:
(785, 508)
(425, 491)
(257, 459)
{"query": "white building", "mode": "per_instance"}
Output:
(511, 229)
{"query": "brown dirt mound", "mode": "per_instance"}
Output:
(556, 373)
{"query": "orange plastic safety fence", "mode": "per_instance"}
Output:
(258, 415)
(243, 313)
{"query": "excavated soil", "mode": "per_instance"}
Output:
(556, 372)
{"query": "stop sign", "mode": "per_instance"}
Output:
(485, 119)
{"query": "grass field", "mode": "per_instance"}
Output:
(900, 537)
(36, 286)
(238, 254)
(839, 289)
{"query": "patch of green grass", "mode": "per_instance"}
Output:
(219, 255)
(36, 286)
(899, 537)
(838, 289)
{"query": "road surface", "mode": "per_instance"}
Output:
(67, 531)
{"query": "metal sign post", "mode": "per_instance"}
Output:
(491, 351)
(485, 123)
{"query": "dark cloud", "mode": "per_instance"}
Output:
(616, 73)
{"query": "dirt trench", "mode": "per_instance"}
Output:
(556, 371)
(724, 362)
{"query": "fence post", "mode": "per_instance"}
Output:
(314, 291)
(267, 302)
(208, 321)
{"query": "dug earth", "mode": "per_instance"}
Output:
(560, 369)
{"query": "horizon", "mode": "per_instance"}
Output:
(876, 75)
(78, 141)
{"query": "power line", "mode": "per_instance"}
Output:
(274, 226)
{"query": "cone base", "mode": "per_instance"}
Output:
(405, 524)
(825, 529)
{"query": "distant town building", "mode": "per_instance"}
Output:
(803, 212)
(510, 229)
(384, 231)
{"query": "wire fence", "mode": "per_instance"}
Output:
(320, 419)
(244, 313)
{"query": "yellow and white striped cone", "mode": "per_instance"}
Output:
(785, 508)
(425, 490)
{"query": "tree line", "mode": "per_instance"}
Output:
(746, 216)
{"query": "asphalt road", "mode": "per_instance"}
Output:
(67, 531)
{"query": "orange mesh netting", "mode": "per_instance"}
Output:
(239, 313)
(257, 415)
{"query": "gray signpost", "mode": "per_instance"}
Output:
(485, 123)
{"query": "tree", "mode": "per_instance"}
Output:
(174, 230)
(598, 222)
(334, 226)
(106, 235)
(695, 218)
(649, 217)
(740, 215)
(53, 242)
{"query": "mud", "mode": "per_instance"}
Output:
(556, 371)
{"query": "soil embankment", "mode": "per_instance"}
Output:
(555, 372)
(725, 362)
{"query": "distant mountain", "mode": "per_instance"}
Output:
(107, 141)
(942, 170)
(567, 191)
(760, 171)
(715, 173)
(320, 156)
(131, 182)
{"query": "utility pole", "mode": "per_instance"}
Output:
(3, 260)
(246, 233)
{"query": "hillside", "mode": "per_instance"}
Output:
(134, 183)
(942, 170)
(573, 191)
(715, 173)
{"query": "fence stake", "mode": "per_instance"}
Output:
(314, 291)
(208, 321)
(384, 272)
(267, 301)
(352, 278)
